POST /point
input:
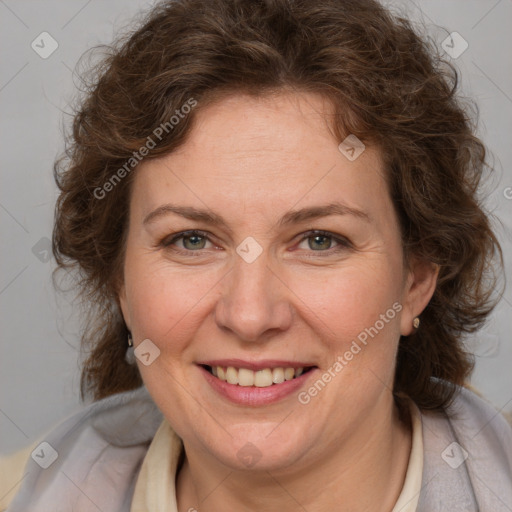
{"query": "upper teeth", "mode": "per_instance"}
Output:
(260, 378)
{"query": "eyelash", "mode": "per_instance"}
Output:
(343, 243)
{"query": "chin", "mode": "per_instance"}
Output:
(263, 448)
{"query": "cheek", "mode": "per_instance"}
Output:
(349, 302)
(165, 301)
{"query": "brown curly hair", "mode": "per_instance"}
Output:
(388, 86)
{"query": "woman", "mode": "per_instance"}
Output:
(272, 208)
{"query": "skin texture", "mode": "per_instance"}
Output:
(252, 160)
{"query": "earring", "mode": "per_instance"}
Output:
(130, 354)
(416, 322)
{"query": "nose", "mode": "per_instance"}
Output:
(254, 303)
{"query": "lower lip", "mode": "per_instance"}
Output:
(252, 395)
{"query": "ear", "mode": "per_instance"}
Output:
(420, 284)
(123, 304)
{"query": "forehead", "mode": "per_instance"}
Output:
(262, 153)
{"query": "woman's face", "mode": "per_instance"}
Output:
(255, 289)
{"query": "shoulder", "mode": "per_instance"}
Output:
(467, 456)
(484, 428)
(12, 470)
(93, 452)
(471, 416)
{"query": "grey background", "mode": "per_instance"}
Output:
(39, 371)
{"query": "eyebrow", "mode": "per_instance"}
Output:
(291, 217)
(315, 212)
(188, 212)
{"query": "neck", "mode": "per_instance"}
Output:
(362, 473)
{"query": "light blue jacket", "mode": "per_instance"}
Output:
(94, 457)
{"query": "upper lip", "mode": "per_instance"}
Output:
(255, 365)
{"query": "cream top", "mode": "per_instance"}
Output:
(155, 488)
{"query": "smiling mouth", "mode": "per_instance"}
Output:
(263, 378)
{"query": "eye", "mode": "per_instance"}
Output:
(322, 241)
(189, 240)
